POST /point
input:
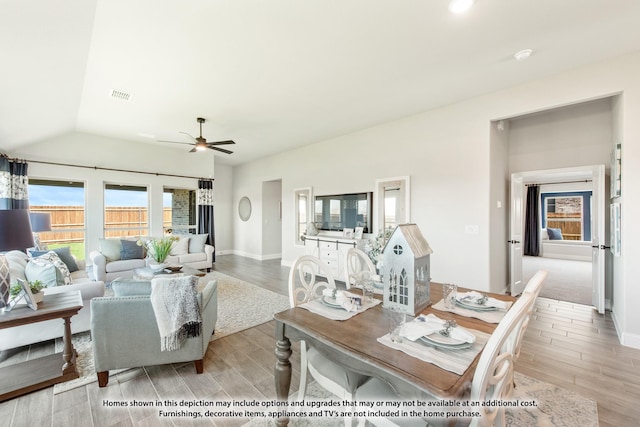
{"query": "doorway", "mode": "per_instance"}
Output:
(584, 259)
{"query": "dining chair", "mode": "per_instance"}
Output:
(489, 382)
(533, 287)
(357, 262)
(308, 277)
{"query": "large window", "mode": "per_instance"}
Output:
(65, 202)
(568, 212)
(179, 211)
(125, 211)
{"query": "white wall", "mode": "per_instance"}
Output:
(447, 154)
(575, 135)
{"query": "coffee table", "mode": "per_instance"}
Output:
(35, 374)
(148, 273)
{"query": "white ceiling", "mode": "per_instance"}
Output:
(276, 74)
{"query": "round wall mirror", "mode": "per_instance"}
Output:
(244, 208)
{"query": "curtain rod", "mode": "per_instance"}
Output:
(564, 182)
(111, 169)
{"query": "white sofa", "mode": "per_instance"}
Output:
(50, 329)
(107, 267)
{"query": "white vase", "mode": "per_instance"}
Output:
(156, 266)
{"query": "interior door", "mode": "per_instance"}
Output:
(599, 246)
(515, 235)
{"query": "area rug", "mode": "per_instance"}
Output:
(241, 306)
(556, 407)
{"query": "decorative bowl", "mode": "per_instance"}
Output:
(173, 268)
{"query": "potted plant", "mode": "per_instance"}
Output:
(36, 289)
(158, 250)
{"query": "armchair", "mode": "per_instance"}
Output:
(125, 332)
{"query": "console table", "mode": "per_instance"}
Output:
(46, 371)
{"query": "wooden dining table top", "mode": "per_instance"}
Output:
(353, 342)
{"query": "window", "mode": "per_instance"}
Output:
(125, 211)
(179, 211)
(568, 212)
(302, 202)
(65, 202)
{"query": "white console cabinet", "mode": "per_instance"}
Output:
(332, 252)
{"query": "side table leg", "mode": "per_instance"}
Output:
(69, 353)
(282, 369)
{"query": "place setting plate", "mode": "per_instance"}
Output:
(438, 340)
(331, 302)
(475, 306)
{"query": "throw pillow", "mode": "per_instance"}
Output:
(47, 273)
(131, 250)
(64, 254)
(197, 242)
(53, 259)
(554, 233)
(110, 248)
(180, 247)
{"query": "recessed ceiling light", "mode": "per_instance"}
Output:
(460, 6)
(523, 54)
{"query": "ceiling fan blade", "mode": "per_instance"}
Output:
(221, 142)
(177, 142)
(193, 150)
(189, 135)
(220, 149)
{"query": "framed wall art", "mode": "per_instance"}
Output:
(616, 232)
(616, 163)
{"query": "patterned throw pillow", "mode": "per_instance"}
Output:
(52, 258)
(64, 253)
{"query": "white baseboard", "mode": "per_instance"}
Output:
(626, 339)
(257, 257)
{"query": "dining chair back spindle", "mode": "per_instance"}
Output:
(308, 277)
(357, 263)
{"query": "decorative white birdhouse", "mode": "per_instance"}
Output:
(406, 270)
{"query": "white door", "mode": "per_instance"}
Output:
(515, 235)
(599, 245)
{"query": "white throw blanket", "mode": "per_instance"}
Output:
(176, 308)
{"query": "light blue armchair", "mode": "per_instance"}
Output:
(125, 332)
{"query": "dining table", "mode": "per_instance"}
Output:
(355, 343)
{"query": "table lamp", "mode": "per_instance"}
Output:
(15, 233)
(40, 222)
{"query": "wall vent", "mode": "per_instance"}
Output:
(121, 95)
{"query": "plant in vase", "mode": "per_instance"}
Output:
(158, 250)
(36, 289)
(375, 246)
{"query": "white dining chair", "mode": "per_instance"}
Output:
(307, 279)
(490, 379)
(533, 287)
(357, 262)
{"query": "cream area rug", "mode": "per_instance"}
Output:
(241, 306)
(557, 407)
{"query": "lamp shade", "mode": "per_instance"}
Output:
(15, 230)
(40, 221)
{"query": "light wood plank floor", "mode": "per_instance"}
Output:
(566, 344)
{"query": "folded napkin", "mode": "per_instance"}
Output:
(347, 300)
(427, 325)
(474, 297)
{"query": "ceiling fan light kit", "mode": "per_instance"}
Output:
(200, 143)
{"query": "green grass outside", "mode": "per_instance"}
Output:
(77, 249)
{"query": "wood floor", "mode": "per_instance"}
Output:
(566, 344)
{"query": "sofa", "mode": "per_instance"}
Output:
(50, 329)
(125, 332)
(119, 258)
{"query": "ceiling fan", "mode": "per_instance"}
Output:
(201, 144)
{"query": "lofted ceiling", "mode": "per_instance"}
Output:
(274, 75)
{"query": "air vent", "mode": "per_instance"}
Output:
(121, 95)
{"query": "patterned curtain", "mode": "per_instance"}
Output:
(205, 211)
(14, 184)
(532, 222)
